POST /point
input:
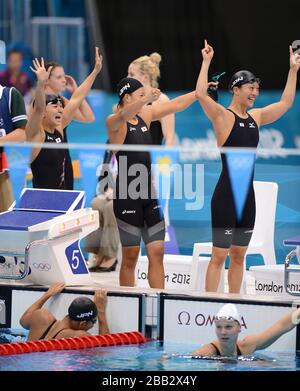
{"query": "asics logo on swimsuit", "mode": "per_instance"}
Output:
(124, 88)
(128, 212)
(1, 122)
(249, 231)
(251, 125)
(84, 314)
(131, 128)
(236, 81)
(228, 231)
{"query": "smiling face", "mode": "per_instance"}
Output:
(134, 96)
(57, 82)
(246, 93)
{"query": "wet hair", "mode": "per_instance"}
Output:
(149, 65)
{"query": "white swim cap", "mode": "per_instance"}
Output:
(228, 312)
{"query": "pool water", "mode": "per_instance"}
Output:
(143, 357)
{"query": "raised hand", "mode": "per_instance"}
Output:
(207, 52)
(55, 289)
(98, 60)
(71, 83)
(100, 299)
(294, 59)
(40, 70)
(153, 95)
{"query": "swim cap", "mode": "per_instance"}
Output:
(82, 308)
(242, 77)
(127, 86)
(228, 312)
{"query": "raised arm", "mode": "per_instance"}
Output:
(172, 106)
(81, 92)
(84, 113)
(100, 300)
(26, 318)
(269, 336)
(273, 112)
(168, 124)
(212, 109)
(115, 120)
(34, 124)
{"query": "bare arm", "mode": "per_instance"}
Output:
(34, 124)
(81, 92)
(84, 113)
(26, 318)
(17, 135)
(167, 124)
(172, 106)
(212, 109)
(274, 111)
(269, 336)
(100, 300)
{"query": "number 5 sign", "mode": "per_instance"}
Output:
(75, 259)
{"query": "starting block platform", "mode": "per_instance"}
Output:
(40, 238)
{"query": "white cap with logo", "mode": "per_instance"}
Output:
(228, 312)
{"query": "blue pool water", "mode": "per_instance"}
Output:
(144, 357)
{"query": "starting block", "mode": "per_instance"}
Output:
(41, 237)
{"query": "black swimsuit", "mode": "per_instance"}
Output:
(218, 353)
(227, 230)
(138, 215)
(48, 329)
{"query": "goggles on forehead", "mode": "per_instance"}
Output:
(54, 100)
(229, 318)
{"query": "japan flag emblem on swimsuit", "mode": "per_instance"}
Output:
(144, 129)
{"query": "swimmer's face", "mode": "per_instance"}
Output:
(53, 114)
(247, 93)
(134, 96)
(227, 330)
(57, 81)
(134, 71)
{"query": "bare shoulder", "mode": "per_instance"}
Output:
(69, 333)
(247, 345)
(255, 114)
(162, 98)
(42, 316)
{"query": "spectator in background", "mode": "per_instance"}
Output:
(104, 242)
(14, 77)
(13, 120)
(83, 313)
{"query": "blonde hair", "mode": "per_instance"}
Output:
(149, 65)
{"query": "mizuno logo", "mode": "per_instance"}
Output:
(251, 125)
(228, 232)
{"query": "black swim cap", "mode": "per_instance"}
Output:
(242, 77)
(127, 86)
(82, 308)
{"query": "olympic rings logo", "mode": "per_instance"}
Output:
(42, 266)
